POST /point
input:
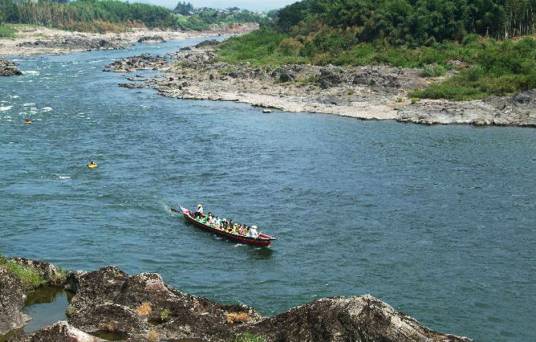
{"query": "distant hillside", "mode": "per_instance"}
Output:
(114, 15)
(469, 38)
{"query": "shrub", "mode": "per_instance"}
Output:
(6, 31)
(433, 70)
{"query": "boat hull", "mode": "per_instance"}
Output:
(260, 242)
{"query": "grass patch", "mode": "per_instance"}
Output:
(29, 277)
(7, 31)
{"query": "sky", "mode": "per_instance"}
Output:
(245, 4)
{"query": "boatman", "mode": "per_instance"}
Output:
(199, 212)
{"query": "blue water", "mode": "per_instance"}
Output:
(437, 221)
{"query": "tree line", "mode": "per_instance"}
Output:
(412, 22)
(113, 15)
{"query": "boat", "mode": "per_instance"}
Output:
(92, 165)
(263, 240)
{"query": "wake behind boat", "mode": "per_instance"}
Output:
(226, 229)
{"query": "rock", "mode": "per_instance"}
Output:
(8, 68)
(76, 43)
(12, 299)
(141, 62)
(525, 98)
(140, 305)
(329, 77)
(132, 85)
(151, 39)
(283, 75)
(61, 331)
(109, 300)
(346, 319)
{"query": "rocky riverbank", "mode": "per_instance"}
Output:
(110, 303)
(369, 92)
(33, 40)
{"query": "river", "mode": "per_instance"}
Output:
(437, 221)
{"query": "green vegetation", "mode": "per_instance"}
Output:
(190, 18)
(116, 15)
(165, 315)
(249, 337)
(471, 38)
(6, 31)
(29, 277)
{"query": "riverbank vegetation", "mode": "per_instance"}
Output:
(115, 15)
(6, 31)
(473, 41)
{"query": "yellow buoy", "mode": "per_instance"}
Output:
(92, 165)
(27, 121)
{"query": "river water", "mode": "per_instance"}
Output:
(437, 221)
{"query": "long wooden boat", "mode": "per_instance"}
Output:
(263, 240)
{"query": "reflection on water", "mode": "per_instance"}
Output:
(45, 306)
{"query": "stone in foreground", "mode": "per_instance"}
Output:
(8, 68)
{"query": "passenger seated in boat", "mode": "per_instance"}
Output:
(210, 219)
(241, 230)
(253, 232)
(199, 211)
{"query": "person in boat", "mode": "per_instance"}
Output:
(199, 211)
(241, 230)
(253, 233)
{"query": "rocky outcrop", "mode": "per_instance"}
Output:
(109, 300)
(76, 43)
(141, 62)
(517, 110)
(151, 39)
(12, 299)
(142, 307)
(8, 68)
(347, 319)
(61, 331)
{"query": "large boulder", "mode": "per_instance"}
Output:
(364, 319)
(8, 68)
(111, 301)
(12, 299)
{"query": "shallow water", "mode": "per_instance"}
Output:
(437, 221)
(45, 306)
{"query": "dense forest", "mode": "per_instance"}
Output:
(479, 40)
(114, 15)
(413, 22)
